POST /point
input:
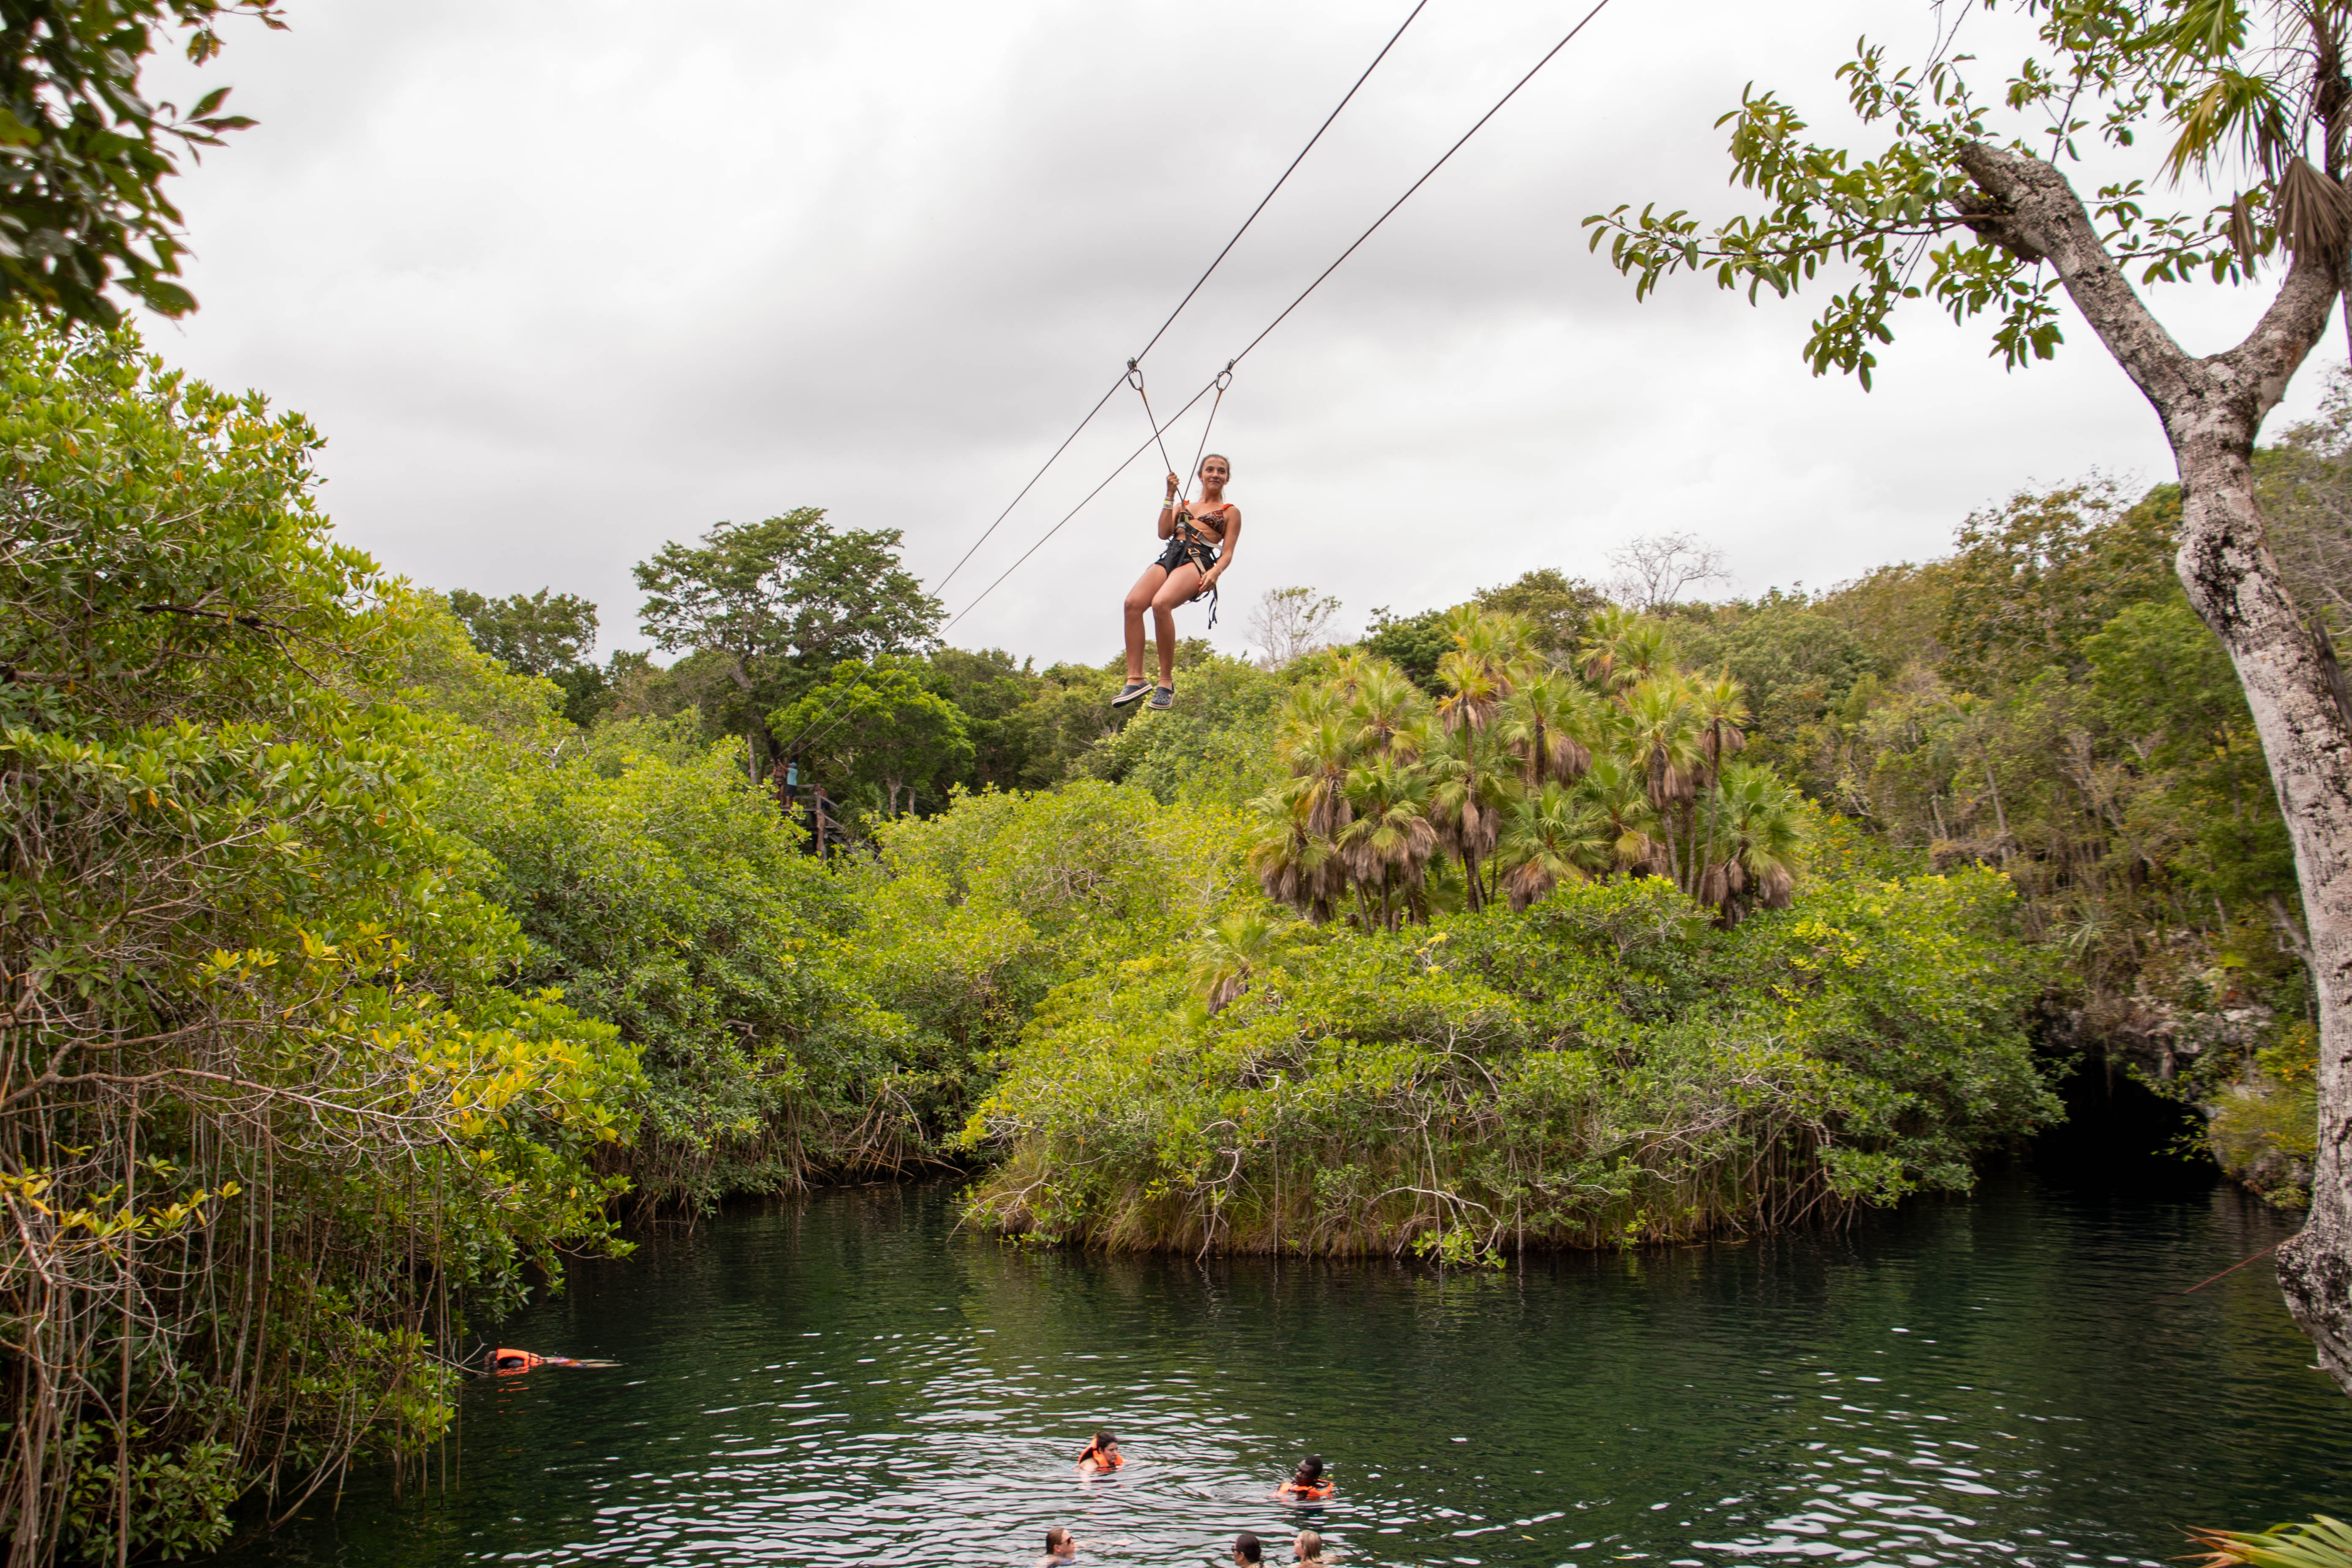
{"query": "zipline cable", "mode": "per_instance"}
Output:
(810, 734)
(1224, 375)
(1074, 511)
(1040, 474)
(1195, 288)
(1236, 240)
(1134, 375)
(1597, 9)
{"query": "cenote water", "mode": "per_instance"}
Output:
(2015, 1377)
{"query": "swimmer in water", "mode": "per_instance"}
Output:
(1309, 1548)
(1062, 1547)
(1307, 1483)
(1247, 1552)
(1102, 1456)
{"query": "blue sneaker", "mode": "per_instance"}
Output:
(1129, 692)
(1163, 697)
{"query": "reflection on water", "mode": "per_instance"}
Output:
(2016, 1378)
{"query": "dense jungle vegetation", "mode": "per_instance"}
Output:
(370, 948)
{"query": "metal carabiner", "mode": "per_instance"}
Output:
(1135, 376)
(1225, 376)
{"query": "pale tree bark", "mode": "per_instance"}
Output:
(2212, 409)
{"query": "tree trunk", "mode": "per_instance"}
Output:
(2212, 409)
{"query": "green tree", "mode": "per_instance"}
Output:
(2034, 577)
(83, 216)
(1412, 643)
(876, 727)
(278, 1119)
(778, 603)
(988, 689)
(1792, 660)
(1556, 606)
(1550, 835)
(539, 633)
(1969, 203)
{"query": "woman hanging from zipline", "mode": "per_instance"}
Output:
(1200, 538)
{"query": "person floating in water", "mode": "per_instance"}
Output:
(1102, 1456)
(502, 1361)
(1307, 1484)
(1200, 539)
(1247, 1552)
(1309, 1548)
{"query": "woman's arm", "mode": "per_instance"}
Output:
(1224, 555)
(1168, 511)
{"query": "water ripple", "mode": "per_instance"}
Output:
(2014, 1380)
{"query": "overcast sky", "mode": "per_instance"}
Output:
(561, 282)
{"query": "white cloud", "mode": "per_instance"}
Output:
(561, 283)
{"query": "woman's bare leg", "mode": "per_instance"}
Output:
(1181, 585)
(1138, 599)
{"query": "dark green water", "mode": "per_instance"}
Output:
(2016, 1378)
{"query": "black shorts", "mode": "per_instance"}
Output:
(1181, 550)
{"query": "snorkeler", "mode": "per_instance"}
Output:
(1102, 1456)
(1307, 1483)
(1200, 547)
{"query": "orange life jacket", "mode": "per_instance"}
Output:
(1315, 1493)
(1103, 1461)
(504, 1360)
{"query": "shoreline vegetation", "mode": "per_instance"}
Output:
(371, 950)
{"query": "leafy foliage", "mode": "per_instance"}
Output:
(2241, 92)
(2323, 1542)
(774, 605)
(1523, 774)
(876, 730)
(83, 216)
(277, 1118)
(1604, 1068)
(537, 634)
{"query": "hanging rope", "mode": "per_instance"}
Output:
(1224, 379)
(1082, 505)
(1135, 380)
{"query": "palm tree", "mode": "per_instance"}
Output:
(1722, 707)
(1616, 790)
(1295, 852)
(1476, 690)
(1390, 839)
(1295, 867)
(1597, 652)
(1492, 654)
(1662, 736)
(1763, 828)
(1622, 647)
(1551, 837)
(1550, 723)
(1231, 952)
(1318, 755)
(1350, 668)
(1390, 713)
